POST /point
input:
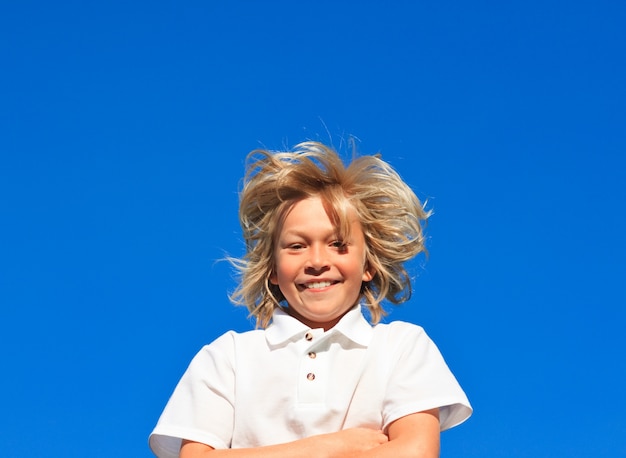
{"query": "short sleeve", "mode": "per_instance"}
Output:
(201, 406)
(420, 379)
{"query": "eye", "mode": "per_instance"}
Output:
(296, 246)
(340, 245)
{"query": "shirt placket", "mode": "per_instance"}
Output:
(313, 370)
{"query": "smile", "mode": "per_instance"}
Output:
(318, 284)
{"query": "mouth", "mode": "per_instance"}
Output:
(318, 284)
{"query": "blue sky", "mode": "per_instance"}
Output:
(123, 131)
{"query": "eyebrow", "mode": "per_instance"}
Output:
(304, 233)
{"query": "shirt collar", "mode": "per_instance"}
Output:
(355, 327)
(352, 325)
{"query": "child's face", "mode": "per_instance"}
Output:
(319, 275)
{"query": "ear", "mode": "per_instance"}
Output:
(273, 278)
(368, 273)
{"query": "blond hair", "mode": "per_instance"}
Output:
(390, 214)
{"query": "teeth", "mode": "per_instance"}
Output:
(318, 284)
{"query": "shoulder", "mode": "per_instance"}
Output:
(406, 340)
(399, 331)
(233, 339)
(221, 354)
(228, 344)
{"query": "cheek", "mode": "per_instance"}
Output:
(356, 268)
(281, 270)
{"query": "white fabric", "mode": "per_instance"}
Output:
(254, 388)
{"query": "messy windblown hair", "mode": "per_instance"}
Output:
(390, 214)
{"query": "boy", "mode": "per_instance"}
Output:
(324, 242)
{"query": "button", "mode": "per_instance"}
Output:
(312, 355)
(310, 376)
(308, 336)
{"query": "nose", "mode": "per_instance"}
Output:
(318, 259)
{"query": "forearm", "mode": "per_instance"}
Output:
(414, 436)
(403, 449)
(299, 448)
(342, 444)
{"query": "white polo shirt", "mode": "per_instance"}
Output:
(288, 382)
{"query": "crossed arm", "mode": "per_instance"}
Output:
(415, 436)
